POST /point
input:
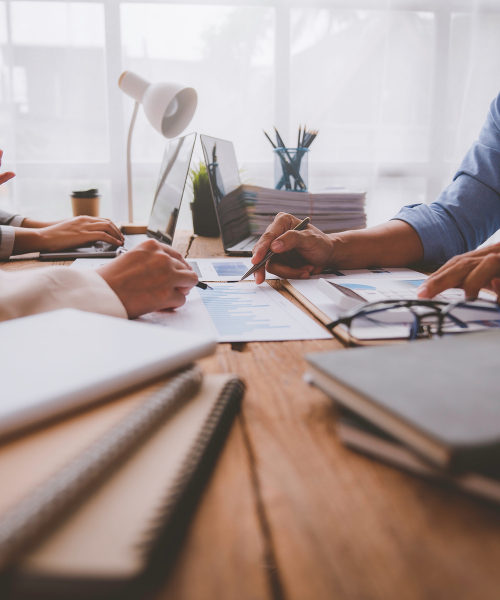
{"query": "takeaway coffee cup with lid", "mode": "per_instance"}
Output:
(86, 203)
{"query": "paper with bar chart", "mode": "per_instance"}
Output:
(223, 269)
(241, 312)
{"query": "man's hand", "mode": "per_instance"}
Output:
(67, 234)
(300, 253)
(150, 277)
(5, 176)
(471, 272)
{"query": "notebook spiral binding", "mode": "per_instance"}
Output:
(24, 524)
(168, 526)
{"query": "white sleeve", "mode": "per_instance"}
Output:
(40, 290)
(16, 221)
(7, 236)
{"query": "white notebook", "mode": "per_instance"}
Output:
(58, 361)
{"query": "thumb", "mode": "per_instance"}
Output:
(6, 176)
(288, 241)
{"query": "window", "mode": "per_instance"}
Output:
(397, 94)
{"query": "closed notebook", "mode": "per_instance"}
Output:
(440, 396)
(122, 539)
(360, 435)
(73, 358)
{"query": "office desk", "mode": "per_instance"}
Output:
(291, 514)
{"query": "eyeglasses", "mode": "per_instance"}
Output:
(416, 319)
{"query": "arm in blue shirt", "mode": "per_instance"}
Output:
(467, 212)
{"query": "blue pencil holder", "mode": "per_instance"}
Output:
(291, 169)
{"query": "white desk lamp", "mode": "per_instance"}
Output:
(169, 107)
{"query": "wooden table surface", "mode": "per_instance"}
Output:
(291, 514)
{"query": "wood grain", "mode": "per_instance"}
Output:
(342, 525)
(291, 514)
(223, 554)
(204, 247)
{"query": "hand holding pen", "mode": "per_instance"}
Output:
(297, 254)
(258, 264)
(200, 284)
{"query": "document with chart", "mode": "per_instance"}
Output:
(223, 269)
(384, 325)
(207, 269)
(241, 312)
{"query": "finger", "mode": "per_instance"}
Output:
(316, 270)
(289, 241)
(287, 272)
(86, 220)
(102, 236)
(282, 222)
(183, 278)
(177, 255)
(184, 290)
(175, 300)
(486, 270)
(446, 273)
(495, 286)
(115, 228)
(446, 279)
(260, 275)
(6, 176)
(108, 228)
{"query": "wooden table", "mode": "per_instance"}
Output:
(291, 514)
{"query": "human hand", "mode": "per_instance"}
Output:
(67, 234)
(471, 272)
(299, 254)
(150, 277)
(5, 176)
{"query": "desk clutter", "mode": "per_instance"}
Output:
(90, 502)
(417, 408)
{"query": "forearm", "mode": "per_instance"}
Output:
(393, 244)
(27, 240)
(32, 224)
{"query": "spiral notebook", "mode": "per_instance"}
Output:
(121, 540)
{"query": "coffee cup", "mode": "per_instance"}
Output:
(86, 203)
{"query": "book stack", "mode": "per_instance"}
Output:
(330, 211)
(417, 408)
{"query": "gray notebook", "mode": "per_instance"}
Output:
(441, 397)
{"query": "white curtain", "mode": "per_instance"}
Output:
(398, 91)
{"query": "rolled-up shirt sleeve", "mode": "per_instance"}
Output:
(7, 234)
(467, 212)
(7, 237)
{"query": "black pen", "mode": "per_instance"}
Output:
(302, 225)
(200, 284)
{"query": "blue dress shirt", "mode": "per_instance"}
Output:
(467, 212)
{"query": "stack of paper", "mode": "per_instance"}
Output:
(331, 210)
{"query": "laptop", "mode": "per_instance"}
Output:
(225, 184)
(166, 205)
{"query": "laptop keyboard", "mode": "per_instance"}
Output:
(245, 245)
(130, 241)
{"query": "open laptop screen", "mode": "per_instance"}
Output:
(226, 187)
(173, 175)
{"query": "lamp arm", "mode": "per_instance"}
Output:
(129, 165)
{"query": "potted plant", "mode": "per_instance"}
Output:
(204, 217)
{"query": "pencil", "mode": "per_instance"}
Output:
(272, 143)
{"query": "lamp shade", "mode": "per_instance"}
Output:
(168, 106)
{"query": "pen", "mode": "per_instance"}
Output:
(200, 284)
(302, 225)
